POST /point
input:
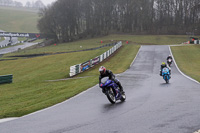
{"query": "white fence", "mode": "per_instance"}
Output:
(196, 41)
(92, 62)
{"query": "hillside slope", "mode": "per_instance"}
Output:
(18, 20)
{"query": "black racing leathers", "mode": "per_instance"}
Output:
(161, 67)
(107, 73)
(169, 57)
(111, 76)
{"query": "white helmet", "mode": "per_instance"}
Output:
(102, 69)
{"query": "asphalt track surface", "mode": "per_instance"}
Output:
(6, 41)
(152, 106)
(16, 48)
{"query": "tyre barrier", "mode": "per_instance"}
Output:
(2, 46)
(6, 79)
(79, 68)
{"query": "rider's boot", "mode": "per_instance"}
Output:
(120, 88)
(103, 90)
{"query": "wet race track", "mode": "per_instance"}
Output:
(15, 48)
(152, 106)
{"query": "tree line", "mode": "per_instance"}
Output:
(68, 20)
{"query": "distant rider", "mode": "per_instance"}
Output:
(169, 57)
(163, 65)
(108, 73)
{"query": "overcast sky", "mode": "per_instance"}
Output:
(46, 2)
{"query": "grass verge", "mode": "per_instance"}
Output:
(2, 39)
(96, 42)
(63, 47)
(151, 39)
(188, 60)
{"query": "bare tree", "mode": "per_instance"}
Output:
(28, 4)
(39, 4)
(69, 20)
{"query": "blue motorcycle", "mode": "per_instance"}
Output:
(166, 74)
(111, 90)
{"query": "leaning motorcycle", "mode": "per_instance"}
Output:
(169, 62)
(166, 74)
(111, 90)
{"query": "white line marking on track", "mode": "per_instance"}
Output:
(7, 119)
(136, 56)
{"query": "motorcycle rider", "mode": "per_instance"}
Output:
(163, 65)
(108, 73)
(169, 57)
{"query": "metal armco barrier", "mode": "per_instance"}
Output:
(6, 79)
(92, 62)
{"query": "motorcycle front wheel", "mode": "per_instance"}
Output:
(110, 95)
(166, 79)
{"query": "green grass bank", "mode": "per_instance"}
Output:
(188, 60)
(18, 20)
(96, 42)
